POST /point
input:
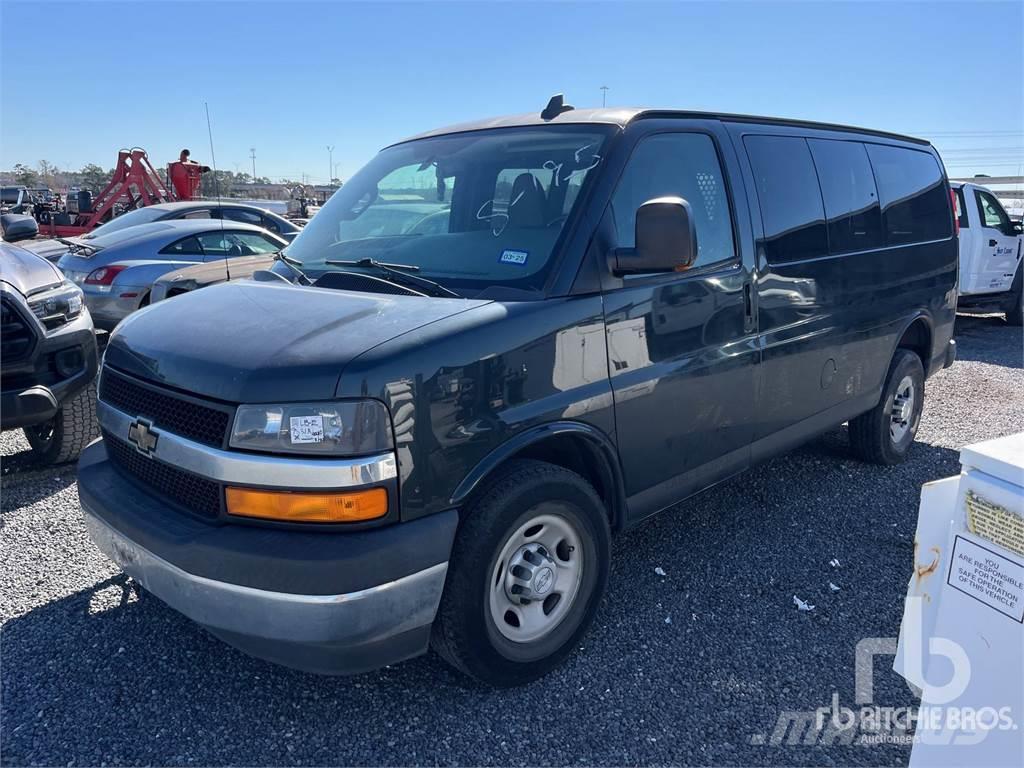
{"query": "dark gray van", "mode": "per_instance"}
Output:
(498, 345)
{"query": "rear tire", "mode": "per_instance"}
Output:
(527, 572)
(64, 436)
(884, 434)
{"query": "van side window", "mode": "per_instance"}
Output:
(790, 198)
(678, 165)
(992, 213)
(851, 201)
(915, 204)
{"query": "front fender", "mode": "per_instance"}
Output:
(514, 445)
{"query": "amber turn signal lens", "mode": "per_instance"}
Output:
(308, 507)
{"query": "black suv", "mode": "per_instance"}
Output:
(47, 357)
(494, 347)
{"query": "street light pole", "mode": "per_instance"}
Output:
(330, 163)
(604, 95)
(252, 154)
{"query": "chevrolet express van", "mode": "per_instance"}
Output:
(498, 345)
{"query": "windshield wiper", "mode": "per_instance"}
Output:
(396, 271)
(294, 265)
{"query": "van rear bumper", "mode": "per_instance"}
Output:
(265, 590)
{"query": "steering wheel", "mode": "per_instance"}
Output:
(557, 220)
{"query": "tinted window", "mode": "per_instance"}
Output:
(848, 188)
(679, 165)
(197, 215)
(961, 208)
(790, 199)
(247, 217)
(992, 213)
(915, 204)
(187, 247)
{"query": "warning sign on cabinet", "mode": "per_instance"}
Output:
(989, 577)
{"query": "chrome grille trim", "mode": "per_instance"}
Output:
(251, 468)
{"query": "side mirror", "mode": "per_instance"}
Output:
(666, 240)
(1016, 228)
(18, 227)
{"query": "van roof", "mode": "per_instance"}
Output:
(621, 116)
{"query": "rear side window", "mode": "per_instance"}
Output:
(915, 204)
(246, 217)
(790, 199)
(848, 188)
(187, 247)
(677, 165)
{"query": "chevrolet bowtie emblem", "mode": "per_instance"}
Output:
(142, 435)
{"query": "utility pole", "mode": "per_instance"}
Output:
(330, 163)
(252, 154)
(604, 95)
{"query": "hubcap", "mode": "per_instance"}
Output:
(536, 578)
(902, 409)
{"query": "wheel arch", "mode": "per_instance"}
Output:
(918, 336)
(579, 447)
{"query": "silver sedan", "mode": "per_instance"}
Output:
(116, 272)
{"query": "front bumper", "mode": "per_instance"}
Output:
(331, 603)
(109, 309)
(33, 390)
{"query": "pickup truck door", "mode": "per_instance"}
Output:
(996, 247)
(681, 346)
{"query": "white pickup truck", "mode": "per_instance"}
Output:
(990, 254)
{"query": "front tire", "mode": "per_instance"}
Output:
(884, 434)
(528, 569)
(63, 437)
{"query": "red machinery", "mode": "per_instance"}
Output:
(135, 184)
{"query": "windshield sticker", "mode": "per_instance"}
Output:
(514, 257)
(307, 429)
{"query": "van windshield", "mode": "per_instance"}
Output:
(469, 210)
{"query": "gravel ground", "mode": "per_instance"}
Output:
(690, 667)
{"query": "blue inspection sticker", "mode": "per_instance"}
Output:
(514, 257)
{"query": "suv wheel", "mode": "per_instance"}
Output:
(527, 571)
(64, 436)
(884, 434)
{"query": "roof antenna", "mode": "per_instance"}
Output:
(556, 106)
(216, 189)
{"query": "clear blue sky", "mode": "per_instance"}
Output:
(81, 80)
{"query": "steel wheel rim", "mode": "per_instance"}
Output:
(527, 603)
(902, 409)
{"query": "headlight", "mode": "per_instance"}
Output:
(347, 428)
(58, 305)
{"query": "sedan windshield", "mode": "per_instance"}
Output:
(468, 210)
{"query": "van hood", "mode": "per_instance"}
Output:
(251, 342)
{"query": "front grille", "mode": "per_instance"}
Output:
(16, 335)
(189, 419)
(194, 493)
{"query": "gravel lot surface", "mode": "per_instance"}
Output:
(692, 667)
